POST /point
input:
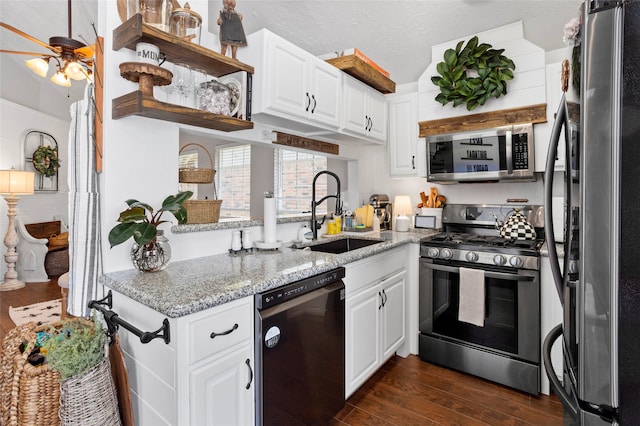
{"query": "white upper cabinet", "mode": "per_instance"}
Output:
(406, 151)
(364, 110)
(293, 87)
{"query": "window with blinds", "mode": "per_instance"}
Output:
(233, 179)
(293, 176)
(189, 158)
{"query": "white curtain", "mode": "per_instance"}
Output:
(85, 256)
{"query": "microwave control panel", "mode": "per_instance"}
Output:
(520, 147)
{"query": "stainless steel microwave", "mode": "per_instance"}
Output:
(500, 153)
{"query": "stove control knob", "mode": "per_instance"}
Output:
(516, 261)
(433, 252)
(447, 253)
(499, 259)
(471, 256)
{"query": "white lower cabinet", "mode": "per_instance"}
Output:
(222, 389)
(203, 376)
(375, 314)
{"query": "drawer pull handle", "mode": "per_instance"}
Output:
(224, 333)
(248, 362)
(381, 301)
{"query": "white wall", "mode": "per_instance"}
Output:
(527, 88)
(15, 122)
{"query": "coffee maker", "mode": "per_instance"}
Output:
(382, 209)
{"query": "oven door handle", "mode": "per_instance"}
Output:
(488, 274)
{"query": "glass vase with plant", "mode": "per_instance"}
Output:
(151, 250)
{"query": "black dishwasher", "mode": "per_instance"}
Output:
(300, 351)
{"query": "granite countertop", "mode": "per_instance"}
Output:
(193, 285)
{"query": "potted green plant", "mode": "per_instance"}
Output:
(151, 250)
(76, 349)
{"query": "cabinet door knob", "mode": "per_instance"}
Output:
(313, 109)
(248, 362)
(224, 333)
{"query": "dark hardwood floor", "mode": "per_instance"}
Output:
(32, 293)
(405, 391)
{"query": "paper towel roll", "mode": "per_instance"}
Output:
(269, 220)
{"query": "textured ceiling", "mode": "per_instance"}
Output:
(398, 35)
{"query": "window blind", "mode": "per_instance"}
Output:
(293, 177)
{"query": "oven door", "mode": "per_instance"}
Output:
(512, 309)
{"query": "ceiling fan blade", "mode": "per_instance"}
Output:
(27, 53)
(86, 51)
(28, 37)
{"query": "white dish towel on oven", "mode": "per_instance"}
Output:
(471, 306)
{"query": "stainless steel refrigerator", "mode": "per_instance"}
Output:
(599, 282)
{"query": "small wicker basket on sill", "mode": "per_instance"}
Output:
(196, 174)
(200, 211)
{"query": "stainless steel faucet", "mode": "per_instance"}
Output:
(314, 223)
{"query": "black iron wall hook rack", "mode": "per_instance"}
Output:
(114, 321)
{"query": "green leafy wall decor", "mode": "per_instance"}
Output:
(472, 74)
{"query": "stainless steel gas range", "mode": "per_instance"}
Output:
(480, 296)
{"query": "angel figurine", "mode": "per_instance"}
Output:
(231, 30)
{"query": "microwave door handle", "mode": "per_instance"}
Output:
(487, 274)
(509, 152)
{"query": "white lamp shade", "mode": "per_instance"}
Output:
(16, 182)
(402, 205)
(75, 71)
(61, 79)
(38, 66)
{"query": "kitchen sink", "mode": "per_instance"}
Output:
(342, 245)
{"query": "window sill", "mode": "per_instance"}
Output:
(235, 223)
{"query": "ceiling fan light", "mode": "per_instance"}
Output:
(75, 71)
(38, 66)
(61, 79)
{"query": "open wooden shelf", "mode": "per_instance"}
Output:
(177, 50)
(364, 72)
(530, 114)
(135, 103)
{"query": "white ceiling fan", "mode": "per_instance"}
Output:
(73, 58)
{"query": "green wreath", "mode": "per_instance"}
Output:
(45, 160)
(473, 74)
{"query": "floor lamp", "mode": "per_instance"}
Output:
(12, 183)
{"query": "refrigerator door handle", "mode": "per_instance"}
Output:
(569, 402)
(561, 120)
